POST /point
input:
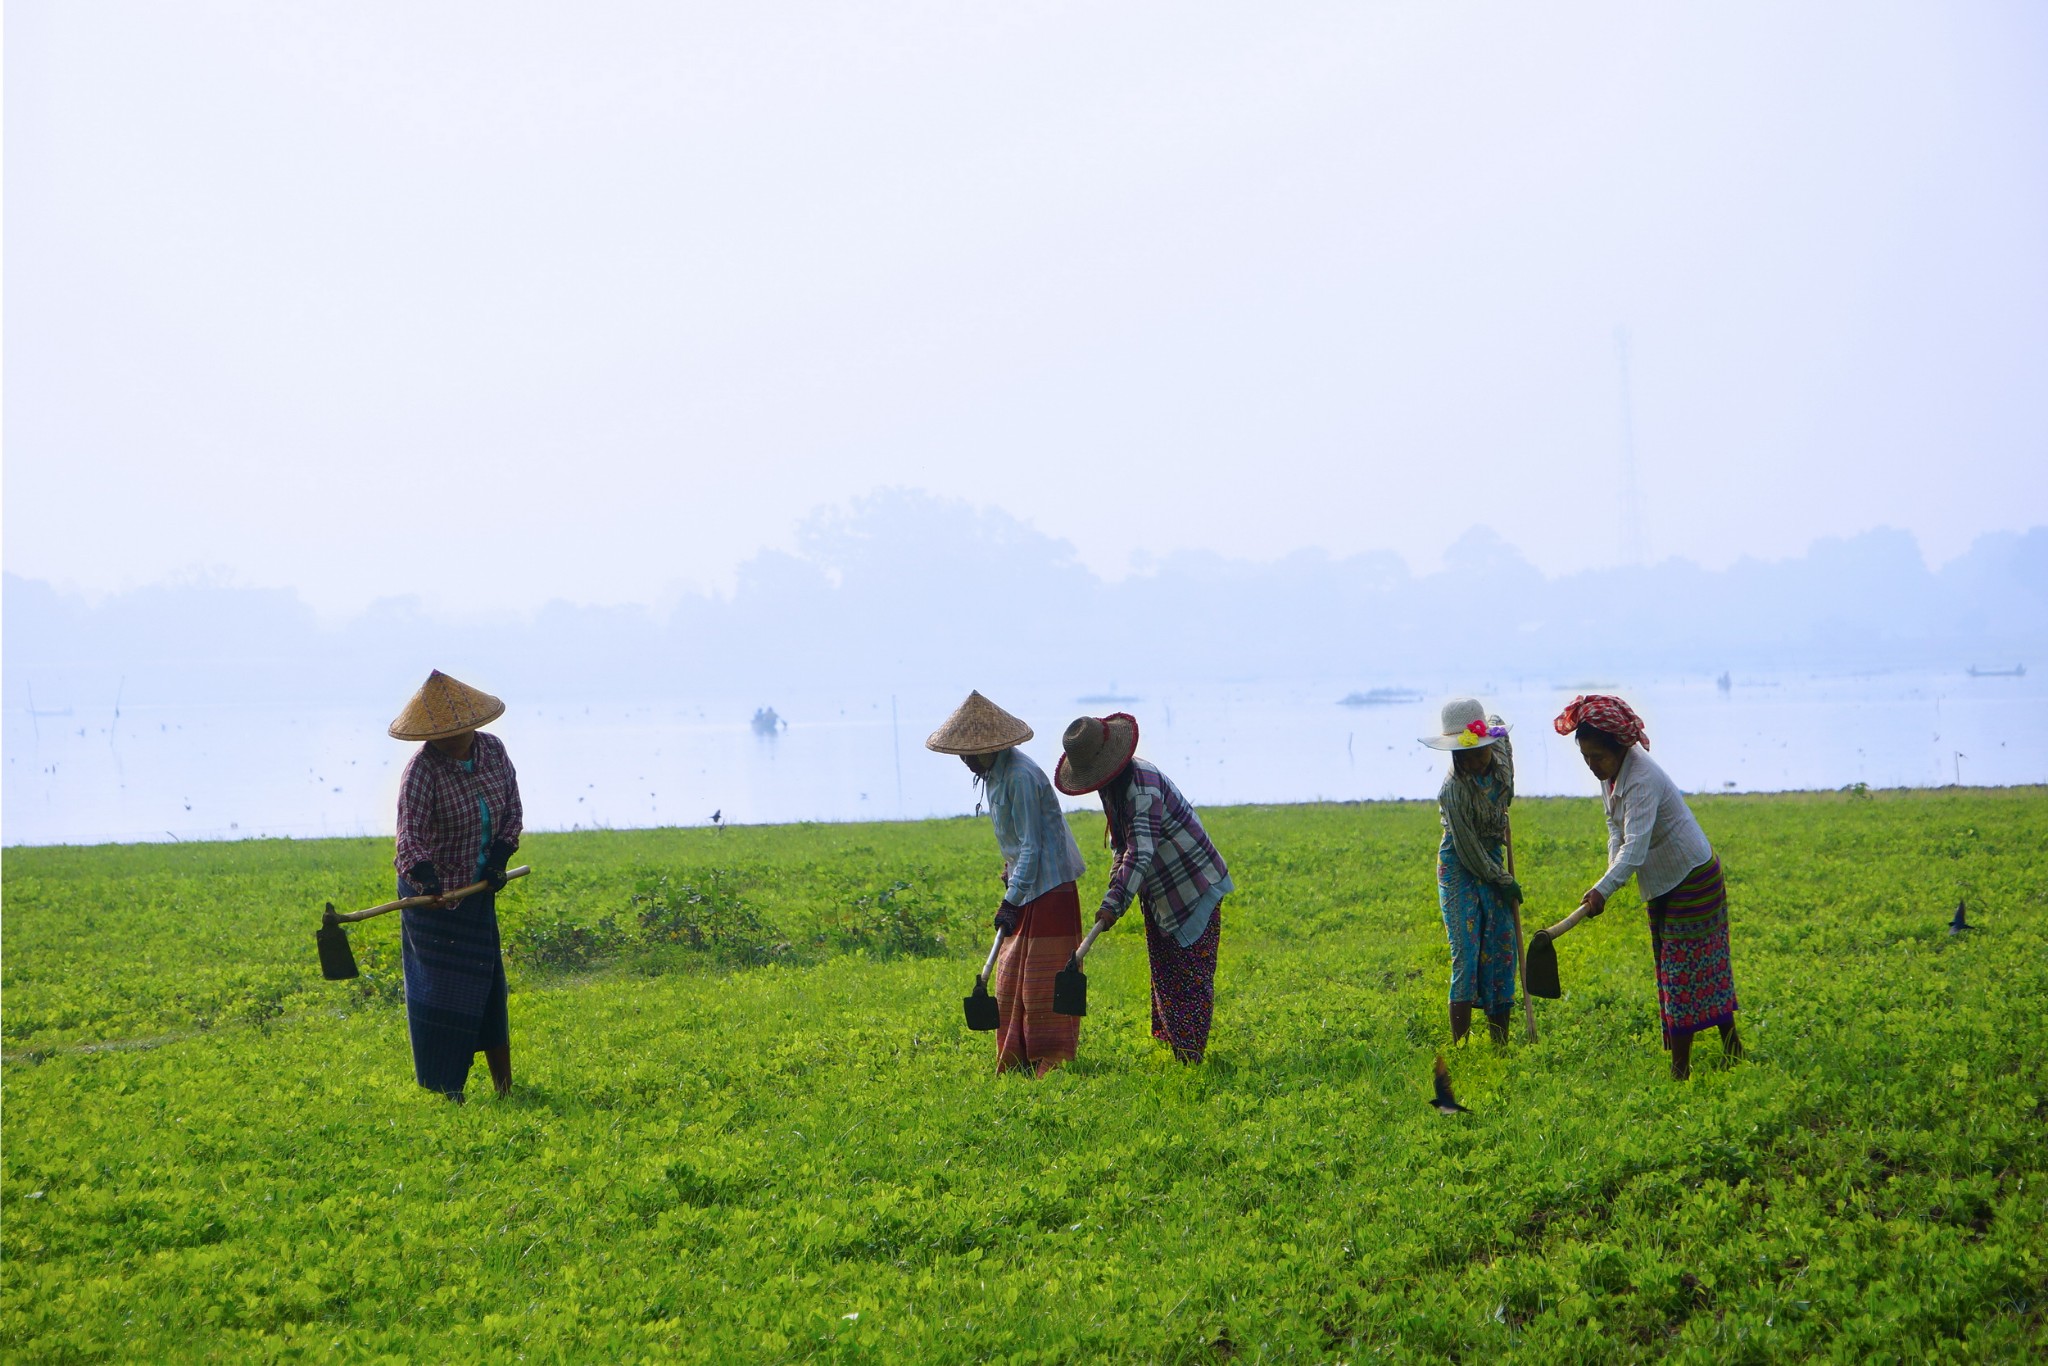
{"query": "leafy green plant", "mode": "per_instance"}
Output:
(900, 919)
(559, 943)
(710, 915)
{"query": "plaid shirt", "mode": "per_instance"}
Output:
(1167, 861)
(443, 807)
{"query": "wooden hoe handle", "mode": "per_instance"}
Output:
(1561, 926)
(989, 965)
(409, 902)
(1521, 948)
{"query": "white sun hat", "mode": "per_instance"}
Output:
(1465, 726)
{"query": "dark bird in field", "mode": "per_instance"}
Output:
(1958, 924)
(1444, 1102)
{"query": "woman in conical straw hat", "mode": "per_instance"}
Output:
(1653, 837)
(1040, 915)
(1477, 894)
(459, 822)
(1165, 860)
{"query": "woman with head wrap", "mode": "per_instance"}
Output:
(1040, 916)
(1652, 837)
(1165, 860)
(459, 822)
(1477, 893)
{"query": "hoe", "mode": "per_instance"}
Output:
(982, 1014)
(338, 961)
(1539, 972)
(1070, 987)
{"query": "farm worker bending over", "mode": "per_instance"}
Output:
(1652, 837)
(1478, 894)
(1165, 859)
(459, 822)
(1041, 911)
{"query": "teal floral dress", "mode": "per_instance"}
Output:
(1479, 917)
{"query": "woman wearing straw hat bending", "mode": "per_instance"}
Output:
(459, 822)
(1477, 893)
(1165, 859)
(1653, 837)
(1040, 916)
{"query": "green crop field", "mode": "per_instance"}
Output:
(749, 1124)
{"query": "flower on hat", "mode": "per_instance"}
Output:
(1466, 739)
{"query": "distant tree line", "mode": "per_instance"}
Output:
(901, 585)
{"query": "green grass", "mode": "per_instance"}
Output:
(756, 1129)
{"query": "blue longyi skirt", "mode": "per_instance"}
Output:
(454, 988)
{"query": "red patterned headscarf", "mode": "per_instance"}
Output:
(1610, 714)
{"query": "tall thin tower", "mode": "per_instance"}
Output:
(1632, 552)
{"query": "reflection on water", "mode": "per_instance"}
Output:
(80, 774)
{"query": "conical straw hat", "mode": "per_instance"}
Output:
(443, 707)
(978, 726)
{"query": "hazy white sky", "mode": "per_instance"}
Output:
(496, 303)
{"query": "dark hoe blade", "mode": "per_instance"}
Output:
(1070, 991)
(337, 960)
(1539, 973)
(982, 1015)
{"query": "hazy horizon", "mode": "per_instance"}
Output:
(901, 587)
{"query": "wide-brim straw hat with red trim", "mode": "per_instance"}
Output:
(444, 707)
(978, 726)
(1097, 748)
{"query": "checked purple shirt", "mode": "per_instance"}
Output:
(441, 809)
(1168, 863)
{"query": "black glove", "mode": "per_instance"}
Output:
(1006, 917)
(499, 855)
(1513, 890)
(425, 879)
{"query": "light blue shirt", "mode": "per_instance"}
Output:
(1039, 852)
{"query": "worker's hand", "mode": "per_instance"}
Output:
(1594, 902)
(425, 880)
(1104, 919)
(1006, 917)
(500, 854)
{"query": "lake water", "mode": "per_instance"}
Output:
(79, 774)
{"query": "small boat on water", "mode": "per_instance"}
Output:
(2016, 671)
(766, 722)
(1381, 697)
